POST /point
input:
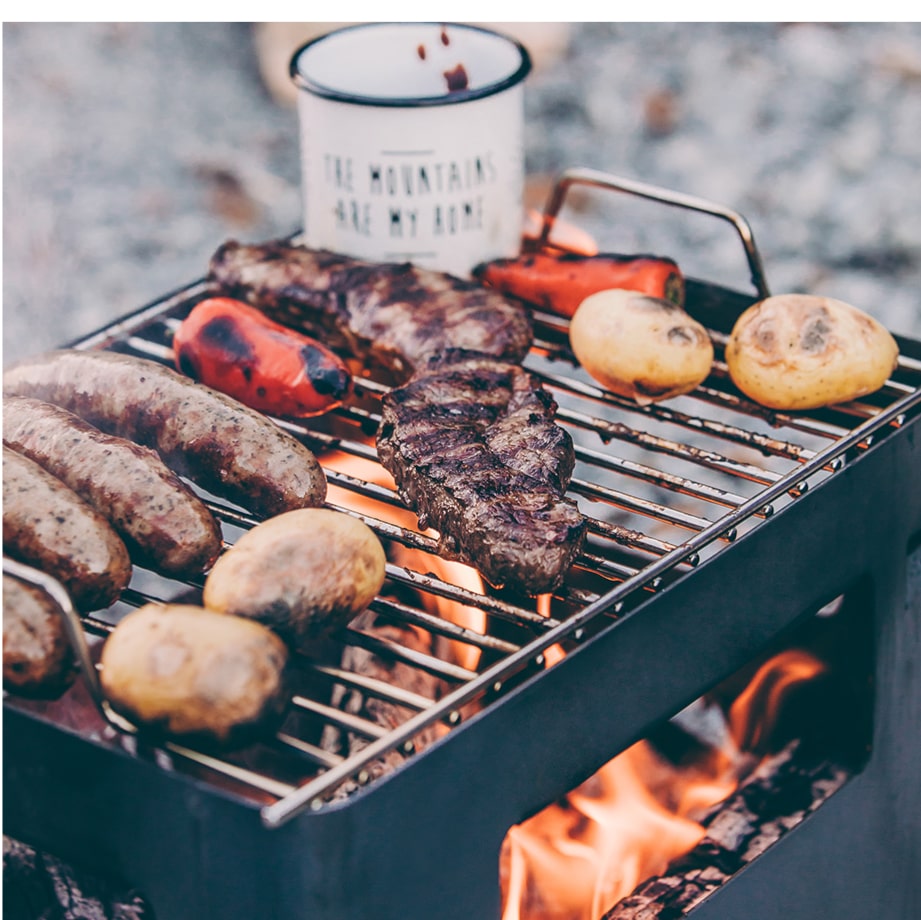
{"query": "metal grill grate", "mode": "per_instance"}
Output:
(664, 487)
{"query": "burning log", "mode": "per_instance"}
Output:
(757, 815)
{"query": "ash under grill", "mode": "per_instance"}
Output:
(705, 499)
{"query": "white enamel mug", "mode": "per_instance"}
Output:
(411, 139)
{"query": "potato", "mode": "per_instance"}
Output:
(644, 348)
(303, 573)
(800, 351)
(186, 671)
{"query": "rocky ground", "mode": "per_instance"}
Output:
(131, 151)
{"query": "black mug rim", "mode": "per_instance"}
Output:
(453, 98)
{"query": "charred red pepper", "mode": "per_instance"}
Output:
(560, 281)
(234, 348)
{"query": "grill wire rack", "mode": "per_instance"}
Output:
(665, 487)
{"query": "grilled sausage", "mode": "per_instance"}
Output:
(212, 439)
(48, 526)
(163, 523)
(37, 658)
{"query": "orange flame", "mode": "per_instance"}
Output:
(577, 859)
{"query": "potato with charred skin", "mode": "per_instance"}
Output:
(645, 348)
(184, 671)
(801, 351)
(303, 573)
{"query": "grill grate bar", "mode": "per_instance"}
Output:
(248, 777)
(662, 413)
(639, 505)
(388, 649)
(313, 753)
(737, 403)
(659, 478)
(608, 430)
(339, 717)
(627, 537)
(437, 625)
(490, 605)
(378, 688)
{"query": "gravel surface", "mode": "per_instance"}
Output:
(131, 151)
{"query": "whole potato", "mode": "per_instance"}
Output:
(187, 671)
(801, 351)
(645, 348)
(303, 572)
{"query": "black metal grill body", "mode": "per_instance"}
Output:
(424, 841)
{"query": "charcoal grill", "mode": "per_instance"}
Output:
(715, 526)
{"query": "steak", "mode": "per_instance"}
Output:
(474, 450)
(394, 315)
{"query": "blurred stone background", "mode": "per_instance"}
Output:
(131, 151)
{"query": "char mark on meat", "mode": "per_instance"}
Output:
(474, 450)
(395, 315)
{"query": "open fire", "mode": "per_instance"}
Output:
(578, 857)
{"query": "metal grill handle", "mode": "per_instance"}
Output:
(597, 179)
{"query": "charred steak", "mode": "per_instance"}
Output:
(474, 450)
(393, 314)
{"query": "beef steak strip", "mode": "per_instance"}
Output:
(473, 447)
(395, 315)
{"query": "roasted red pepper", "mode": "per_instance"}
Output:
(233, 347)
(560, 281)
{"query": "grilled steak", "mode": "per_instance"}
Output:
(474, 450)
(215, 441)
(395, 315)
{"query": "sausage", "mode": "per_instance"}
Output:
(37, 657)
(235, 348)
(163, 523)
(202, 434)
(48, 526)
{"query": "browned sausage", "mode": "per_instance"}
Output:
(164, 524)
(215, 441)
(48, 526)
(37, 657)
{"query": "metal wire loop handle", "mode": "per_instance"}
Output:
(598, 179)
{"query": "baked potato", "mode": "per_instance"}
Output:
(183, 671)
(645, 348)
(802, 351)
(302, 573)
